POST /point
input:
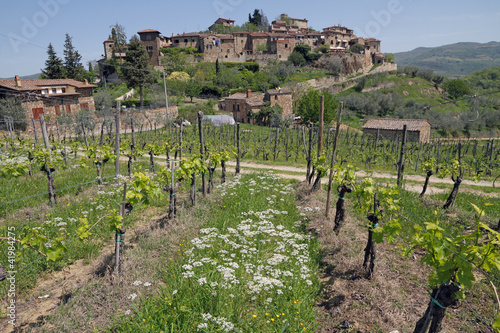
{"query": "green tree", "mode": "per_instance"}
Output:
(103, 100)
(193, 89)
(136, 70)
(357, 48)
(11, 106)
(119, 37)
(390, 57)
(308, 107)
(53, 65)
(297, 59)
(456, 88)
(303, 49)
(73, 68)
(262, 48)
(174, 60)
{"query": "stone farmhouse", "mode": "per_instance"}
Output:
(50, 97)
(262, 46)
(418, 130)
(245, 105)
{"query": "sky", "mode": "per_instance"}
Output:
(28, 26)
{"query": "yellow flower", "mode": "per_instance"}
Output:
(282, 314)
(272, 319)
(267, 314)
(255, 316)
(277, 316)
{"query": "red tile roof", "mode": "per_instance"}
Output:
(224, 19)
(147, 30)
(281, 91)
(27, 85)
(396, 124)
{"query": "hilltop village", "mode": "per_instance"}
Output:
(277, 43)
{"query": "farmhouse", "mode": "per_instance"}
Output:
(50, 97)
(245, 105)
(418, 130)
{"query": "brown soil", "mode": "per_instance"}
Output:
(396, 296)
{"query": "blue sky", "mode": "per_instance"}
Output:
(28, 26)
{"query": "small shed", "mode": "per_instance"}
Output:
(218, 120)
(418, 130)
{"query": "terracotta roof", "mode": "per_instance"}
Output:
(396, 124)
(282, 41)
(224, 19)
(147, 30)
(237, 96)
(39, 84)
(255, 103)
(108, 40)
(191, 34)
(259, 34)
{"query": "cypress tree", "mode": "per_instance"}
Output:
(72, 61)
(53, 65)
(136, 70)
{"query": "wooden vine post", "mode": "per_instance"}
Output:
(332, 163)
(120, 233)
(172, 188)
(401, 163)
(238, 146)
(370, 249)
(202, 150)
(309, 151)
(117, 140)
(48, 171)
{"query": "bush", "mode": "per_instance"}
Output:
(12, 107)
(357, 48)
(133, 102)
(251, 66)
(456, 88)
(297, 59)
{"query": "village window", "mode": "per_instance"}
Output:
(176, 41)
(148, 37)
(63, 90)
(227, 50)
(238, 107)
(84, 106)
(149, 48)
(57, 108)
(331, 42)
(68, 108)
(234, 107)
(286, 46)
(45, 91)
(54, 90)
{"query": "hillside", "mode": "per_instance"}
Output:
(453, 60)
(26, 77)
(403, 95)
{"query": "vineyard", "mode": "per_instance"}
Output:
(192, 244)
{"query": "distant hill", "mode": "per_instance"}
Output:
(27, 77)
(453, 60)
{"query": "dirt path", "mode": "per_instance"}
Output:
(409, 187)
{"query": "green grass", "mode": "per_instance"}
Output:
(252, 267)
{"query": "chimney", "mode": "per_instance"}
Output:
(249, 93)
(86, 81)
(18, 82)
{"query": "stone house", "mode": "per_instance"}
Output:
(50, 97)
(153, 41)
(245, 105)
(221, 22)
(418, 130)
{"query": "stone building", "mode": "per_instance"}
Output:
(418, 130)
(153, 41)
(245, 105)
(221, 22)
(50, 97)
